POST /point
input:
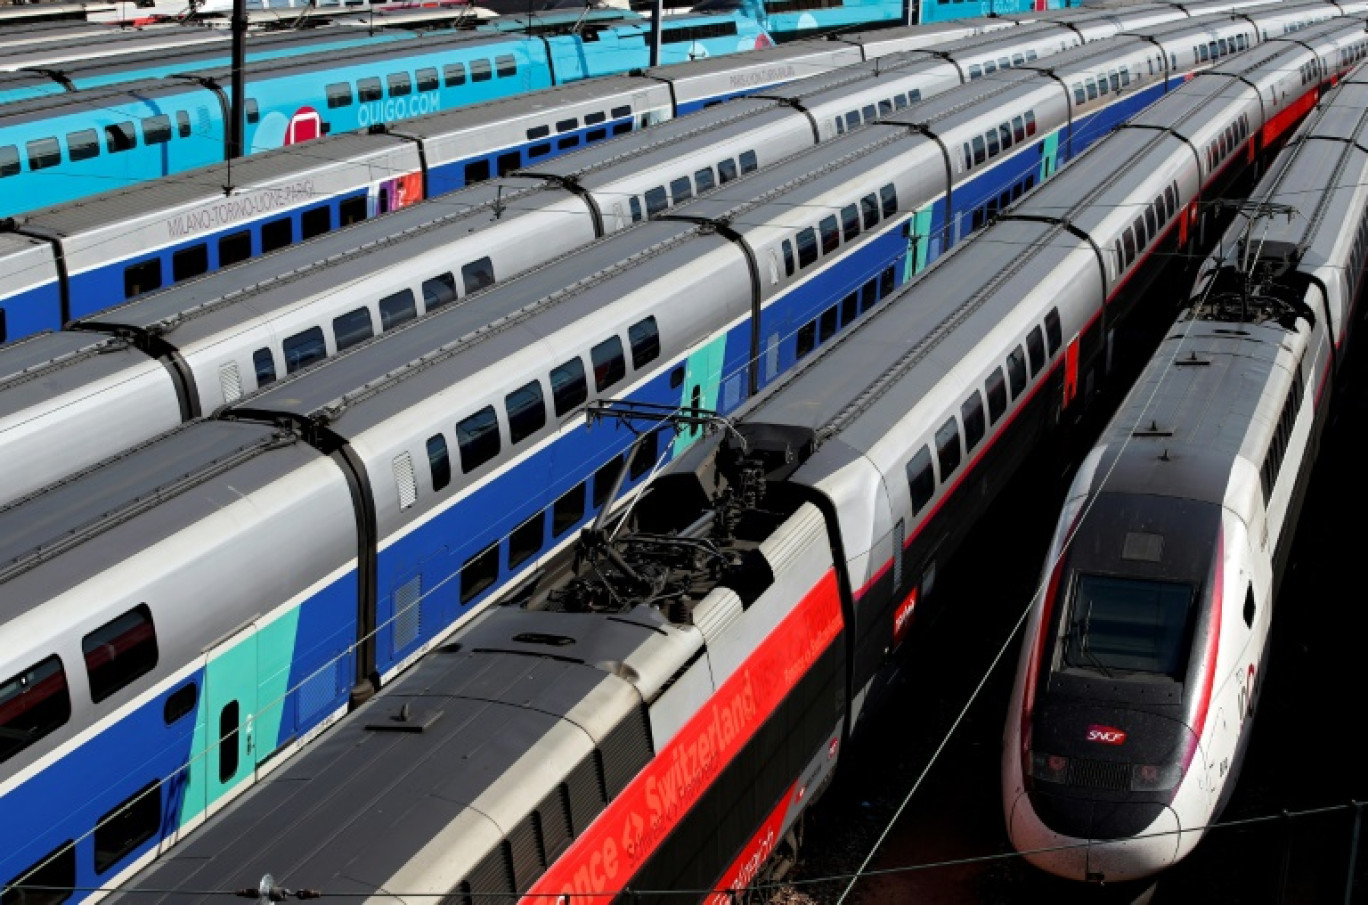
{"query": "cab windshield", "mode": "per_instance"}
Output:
(1129, 625)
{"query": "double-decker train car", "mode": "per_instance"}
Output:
(427, 471)
(1143, 659)
(687, 680)
(80, 143)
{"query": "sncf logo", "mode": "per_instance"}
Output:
(1106, 735)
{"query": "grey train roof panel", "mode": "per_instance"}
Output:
(42, 108)
(788, 61)
(44, 365)
(206, 183)
(213, 47)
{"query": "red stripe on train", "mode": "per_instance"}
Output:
(620, 840)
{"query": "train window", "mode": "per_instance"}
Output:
(900, 102)
(351, 210)
(990, 67)
(1125, 77)
(253, 111)
(593, 119)
(831, 235)
(54, 875)
(980, 150)
(1005, 135)
(807, 246)
(567, 125)
(1030, 123)
(914, 95)
(886, 281)
(1160, 217)
(156, 129)
(644, 459)
(948, 449)
(972, 413)
(480, 71)
(1141, 239)
(538, 132)
(476, 171)
(826, 324)
(850, 309)
(885, 108)
(427, 79)
(619, 112)
(993, 146)
(609, 365)
(604, 478)
(788, 258)
(681, 189)
(127, 826)
(369, 89)
(921, 480)
(439, 291)
(396, 309)
(1053, 335)
(479, 572)
(190, 262)
(1102, 86)
(477, 275)
(9, 161)
(263, 363)
(352, 328)
(454, 74)
(1080, 96)
(704, 178)
(180, 702)
(807, 338)
(304, 349)
(44, 153)
(850, 222)
(869, 294)
(1104, 634)
(1091, 85)
(749, 162)
(539, 150)
(1018, 129)
(644, 338)
(33, 704)
(635, 204)
(1151, 223)
(399, 84)
(968, 156)
(1016, 371)
(526, 411)
(505, 65)
(1128, 240)
(120, 651)
(975, 71)
(568, 510)
(1035, 346)
(1114, 78)
(656, 201)
(276, 234)
(1031, 56)
(869, 209)
(228, 741)
(526, 540)
(120, 137)
(83, 145)
(315, 222)
(234, 247)
(510, 161)
(477, 437)
(568, 386)
(726, 171)
(595, 135)
(140, 278)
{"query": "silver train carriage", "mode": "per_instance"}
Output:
(1143, 660)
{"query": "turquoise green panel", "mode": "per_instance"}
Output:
(193, 801)
(275, 653)
(1049, 159)
(704, 371)
(231, 677)
(918, 243)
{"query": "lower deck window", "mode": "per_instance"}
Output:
(54, 874)
(140, 278)
(479, 572)
(126, 827)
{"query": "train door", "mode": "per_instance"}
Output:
(230, 714)
(917, 243)
(702, 379)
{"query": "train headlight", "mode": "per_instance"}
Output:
(1049, 767)
(1151, 778)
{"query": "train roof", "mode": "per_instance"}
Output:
(784, 61)
(105, 43)
(22, 34)
(42, 109)
(931, 36)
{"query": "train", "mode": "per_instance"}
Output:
(340, 523)
(79, 143)
(1143, 659)
(655, 706)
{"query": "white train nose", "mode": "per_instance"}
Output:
(1090, 860)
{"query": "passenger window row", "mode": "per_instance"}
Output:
(871, 112)
(982, 215)
(998, 140)
(843, 314)
(1353, 53)
(193, 260)
(402, 84)
(832, 232)
(1310, 73)
(569, 125)
(1003, 62)
(356, 326)
(1146, 228)
(1221, 47)
(661, 198)
(1230, 138)
(1277, 446)
(1093, 87)
(36, 702)
(950, 446)
(567, 137)
(85, 144)
(478, 439)
(691, 33)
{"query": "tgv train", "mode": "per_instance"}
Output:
(686, 682)
(1142, 664)
(80, 143)
(197, 346)
(352, 514)
(30, 46)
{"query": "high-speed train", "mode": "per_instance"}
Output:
(655, 707)
(202, 344)
(79, 143)
(264, 568)
(1143, 660)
